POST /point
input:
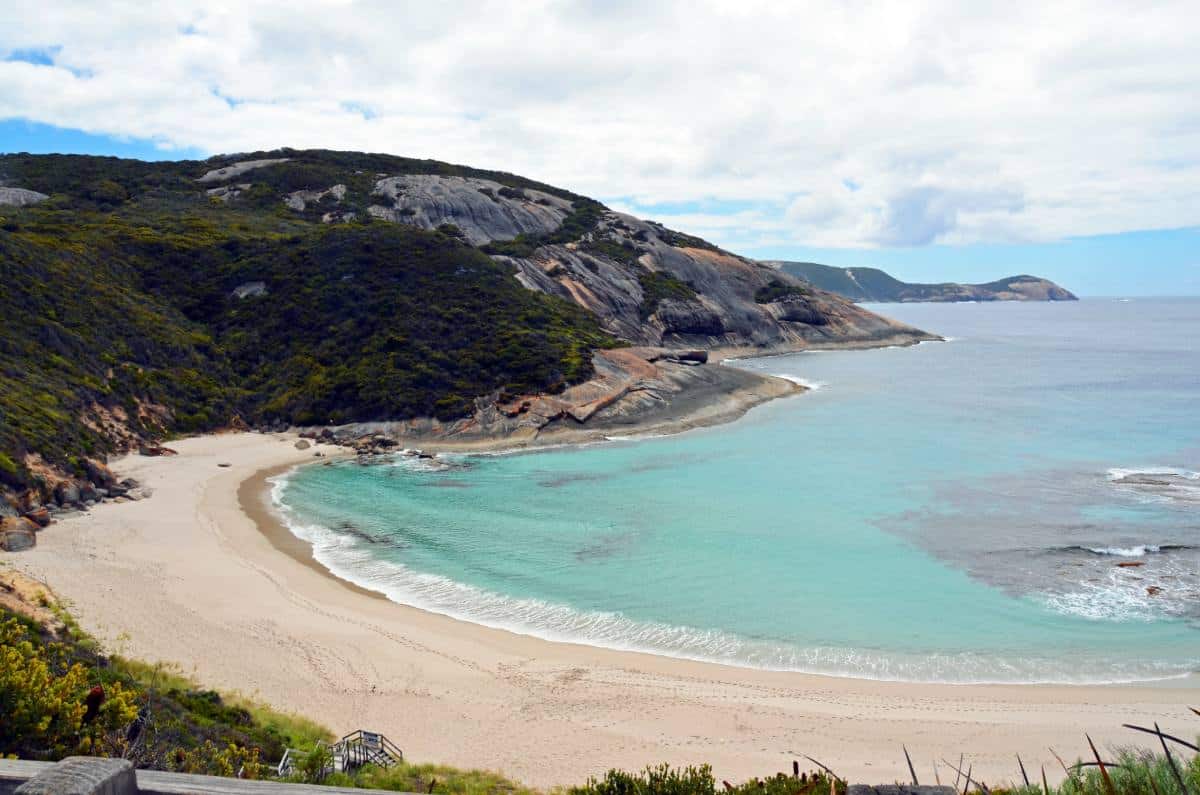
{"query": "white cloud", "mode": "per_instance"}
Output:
(848, 124)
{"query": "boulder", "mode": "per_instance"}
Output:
(156, 450)
(39, 516)
(302, 445)
(7, 509)
(17, 534)
(28, 500)
(98, 473)
(67, 492)
(88, 493)
(685, 357)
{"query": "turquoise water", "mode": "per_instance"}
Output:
(948, 512)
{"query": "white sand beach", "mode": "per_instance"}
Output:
(202, 575)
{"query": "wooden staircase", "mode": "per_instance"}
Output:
(361, 748)
(355, 750)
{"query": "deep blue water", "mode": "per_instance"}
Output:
(949, 512)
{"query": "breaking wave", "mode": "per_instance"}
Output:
(804, 382)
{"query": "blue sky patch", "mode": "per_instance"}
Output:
(39, 56)
(19, 135)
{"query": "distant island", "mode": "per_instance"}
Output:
(872, 284)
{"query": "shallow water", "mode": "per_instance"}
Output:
(948, 512)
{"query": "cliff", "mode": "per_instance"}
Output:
(316, 287)
(872, 284)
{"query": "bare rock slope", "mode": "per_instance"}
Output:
(647, 284)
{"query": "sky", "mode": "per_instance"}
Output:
(938, 140)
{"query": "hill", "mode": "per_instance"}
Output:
(872, 284)
(292, 287)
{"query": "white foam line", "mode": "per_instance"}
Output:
(804, 382)
(1117, 473)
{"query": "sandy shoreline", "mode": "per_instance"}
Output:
(193, 576)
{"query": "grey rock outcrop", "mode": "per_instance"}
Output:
(249, 290)
(300, 199)
(688, 318)
(227, 192)
(20, 197)
(723, 313)
(484, 210)
(796, 309)
(237, 169)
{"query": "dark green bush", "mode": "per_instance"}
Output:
(777, 289)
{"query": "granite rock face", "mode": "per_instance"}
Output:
(237, 169)
(723, 312)
(631, 387)
(484, 210)
(300, 199)
(19, 197)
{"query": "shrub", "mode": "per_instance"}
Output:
(776, 290)
(659, 285)
(665, 780)
(44, 700)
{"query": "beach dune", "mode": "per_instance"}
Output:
(202, 575)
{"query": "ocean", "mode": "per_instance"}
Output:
(1020, 503)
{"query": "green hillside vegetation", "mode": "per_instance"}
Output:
(777, 290)
(857, 284)
(118, 293)
(150, 715)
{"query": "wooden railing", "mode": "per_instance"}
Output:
(355, 750)
(360, 748)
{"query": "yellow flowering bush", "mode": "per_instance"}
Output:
(212, 760)
(43, 700)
